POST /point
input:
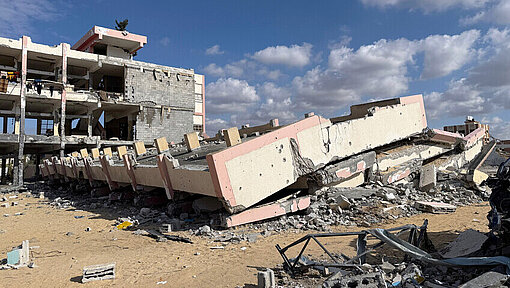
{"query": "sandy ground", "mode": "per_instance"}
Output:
(142, 262)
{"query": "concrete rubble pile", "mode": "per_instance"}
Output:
(381, 155)
(473, 259)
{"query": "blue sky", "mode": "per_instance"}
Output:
(281, 59)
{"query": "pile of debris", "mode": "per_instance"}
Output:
(256, 173)
(473, 259)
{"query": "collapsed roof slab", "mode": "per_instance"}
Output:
(247, 173)
(345, 169)
(457, 161)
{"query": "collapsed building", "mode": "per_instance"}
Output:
(265, 171)
(63, 98)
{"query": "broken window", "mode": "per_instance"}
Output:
(46, 127)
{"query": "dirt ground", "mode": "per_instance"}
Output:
(143, 262)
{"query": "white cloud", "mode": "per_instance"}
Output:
(445, 54)
(229, 95)
(427, 5)
(485, 89)
(214, 70)
(293, 56)
(19, 17)
(164, 41)
(277, 104)
(378, 70)
(214, 125)
(498, 127)
(498, 13)
(234, 69)
(460, 99)
(214, 50)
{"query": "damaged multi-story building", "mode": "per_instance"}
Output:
(469, 126)
(63, 98)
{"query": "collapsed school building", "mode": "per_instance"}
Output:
(270, 170)
(63, 98)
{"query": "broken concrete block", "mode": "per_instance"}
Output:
(232, 137)
(95, 153)
(166, 228)
(84, 153)
(466, 243)
(98, 272)
(435, 207)
(345, 170)
(266, 279)
(108, 151)
(140, 148)
(121, 151)
(161, 144)
(267, 211)
(487, 279)
(428, 177)
(191, 140)
(478, 177)
(341, 201)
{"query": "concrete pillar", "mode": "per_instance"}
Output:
(4, 167)
(130, 128)
(15, 169)
(17, 122)
(18, 180)
(56, 121)
(37, 162)
(65, 48)
(89, 124)
(38, 131)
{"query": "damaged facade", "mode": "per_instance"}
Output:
(89, 95)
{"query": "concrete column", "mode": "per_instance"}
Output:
(38, 131)
(15, 169)
(91, 80)
(65, 48)
(4, 166)
(18, 179)
(55, 121)
(37, 162)
(89, 123)
(130, 128)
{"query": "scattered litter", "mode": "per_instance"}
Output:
(162, 237)
(124, 225)
(98, 272)
(19, 256)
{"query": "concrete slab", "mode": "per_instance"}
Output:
(267, 211)
(428, 177)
